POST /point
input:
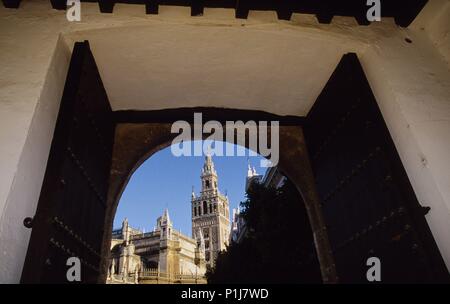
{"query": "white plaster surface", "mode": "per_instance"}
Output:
(173, 60)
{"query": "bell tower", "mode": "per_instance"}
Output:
(210, 213)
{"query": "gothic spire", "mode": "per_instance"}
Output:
(193, 193)
(165, 220)
(208, 166)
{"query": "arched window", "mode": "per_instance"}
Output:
(195, 211)
(207, 184)
(206, 233)
(210, 208)
(205, 208)
(199, 211)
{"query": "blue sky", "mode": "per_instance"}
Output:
(165, 181)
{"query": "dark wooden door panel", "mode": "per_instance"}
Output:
(368, 203)
(71, 209)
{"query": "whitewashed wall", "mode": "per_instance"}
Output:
(174, 60)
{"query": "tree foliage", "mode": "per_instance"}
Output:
(278, 247)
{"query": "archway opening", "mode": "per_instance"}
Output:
(178, 216)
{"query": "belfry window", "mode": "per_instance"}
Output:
(207, 184)
(205, 208)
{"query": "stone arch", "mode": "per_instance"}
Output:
(137, 140)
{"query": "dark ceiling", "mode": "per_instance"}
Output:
(403, 11)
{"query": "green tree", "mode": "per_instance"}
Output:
(278, 247)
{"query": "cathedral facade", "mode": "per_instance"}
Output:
(210, 214)
(165, 255)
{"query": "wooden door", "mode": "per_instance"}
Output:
(71, 209)
(369, 206)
